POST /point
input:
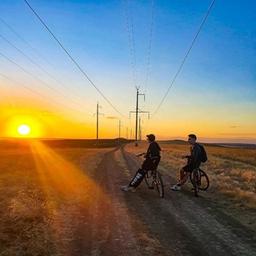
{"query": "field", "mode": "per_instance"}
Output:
(38, 187)
(232, 173)
(48, 190)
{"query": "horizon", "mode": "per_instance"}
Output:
(202, 140)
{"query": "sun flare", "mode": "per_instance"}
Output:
(24, 129)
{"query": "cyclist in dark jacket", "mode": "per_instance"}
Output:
(152, 159)
(194, 161)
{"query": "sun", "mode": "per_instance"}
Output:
(24, 129)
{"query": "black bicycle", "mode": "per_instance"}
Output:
(199, 180)
(153, 180)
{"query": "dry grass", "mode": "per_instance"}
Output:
(30, 211)
(232, 171)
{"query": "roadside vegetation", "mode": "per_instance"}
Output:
(232, 173)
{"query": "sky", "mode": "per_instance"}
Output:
(121, 45)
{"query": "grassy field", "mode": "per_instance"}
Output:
(43, 184)
(37, 187)
(232, 173)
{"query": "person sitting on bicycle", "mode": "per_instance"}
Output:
(193, 162)
(152, 159)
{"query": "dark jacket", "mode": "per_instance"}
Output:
(152, 157)
(153, 150)
(194, 160)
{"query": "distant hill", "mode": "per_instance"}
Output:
(63, 143)
(229, 145)
(182, 142)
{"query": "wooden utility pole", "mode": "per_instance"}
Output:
(137, 111)
(97, 120)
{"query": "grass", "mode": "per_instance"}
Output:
(35, 189)
(232, 173)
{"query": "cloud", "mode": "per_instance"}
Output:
(112, 117)
(238, 134)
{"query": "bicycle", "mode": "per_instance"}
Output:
(199, 180)
(153, 180)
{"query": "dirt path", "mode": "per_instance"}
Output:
(119, 223)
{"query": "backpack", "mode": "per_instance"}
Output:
(203, 154)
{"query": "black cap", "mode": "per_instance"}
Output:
(151, 137)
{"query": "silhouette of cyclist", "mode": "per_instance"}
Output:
(194, 161)
(152, 159)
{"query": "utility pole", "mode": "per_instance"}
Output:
(139, 128)
(97, 120)
(119, 130)
(137, 111)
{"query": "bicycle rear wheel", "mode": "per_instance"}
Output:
(158, 182)
(204, 181)
(195, 181)
(149, 180)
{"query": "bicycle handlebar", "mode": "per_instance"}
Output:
(141, 154)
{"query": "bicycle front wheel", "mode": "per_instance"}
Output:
(195, 181)
(204, 181)
(159, 184)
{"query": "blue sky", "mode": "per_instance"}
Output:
(217, 78)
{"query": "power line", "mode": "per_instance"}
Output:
(149, 50)
(186, 56)
(24, 41)
(28, 73)
(35, 77)
(37, 65)
(39, 94)
(131, 41)
(71, 58)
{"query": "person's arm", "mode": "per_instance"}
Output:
(147, 155)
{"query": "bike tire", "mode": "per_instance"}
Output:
(204, 181)
(159, 184)
(194, 181)
(148, 179)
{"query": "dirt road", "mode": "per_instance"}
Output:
(126, 223)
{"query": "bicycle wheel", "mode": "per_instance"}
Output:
(204, 181)
(195, 181)
(149, 180)
(158, 181)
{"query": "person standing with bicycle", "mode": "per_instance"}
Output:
(152, 159)
(193, 162)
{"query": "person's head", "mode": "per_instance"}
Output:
(151, 137)
(192, 139)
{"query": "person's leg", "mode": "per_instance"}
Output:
(137, 179)
(135, 182)
(184, 174)
(183, 177)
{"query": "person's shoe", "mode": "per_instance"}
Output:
(175, 188)
(128, 188)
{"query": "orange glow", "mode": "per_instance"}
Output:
(61, 178)
(23, 126)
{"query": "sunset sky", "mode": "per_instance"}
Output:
(121, 45)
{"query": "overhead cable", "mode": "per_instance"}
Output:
(186, 56)
(38, 66)
(71, 58)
